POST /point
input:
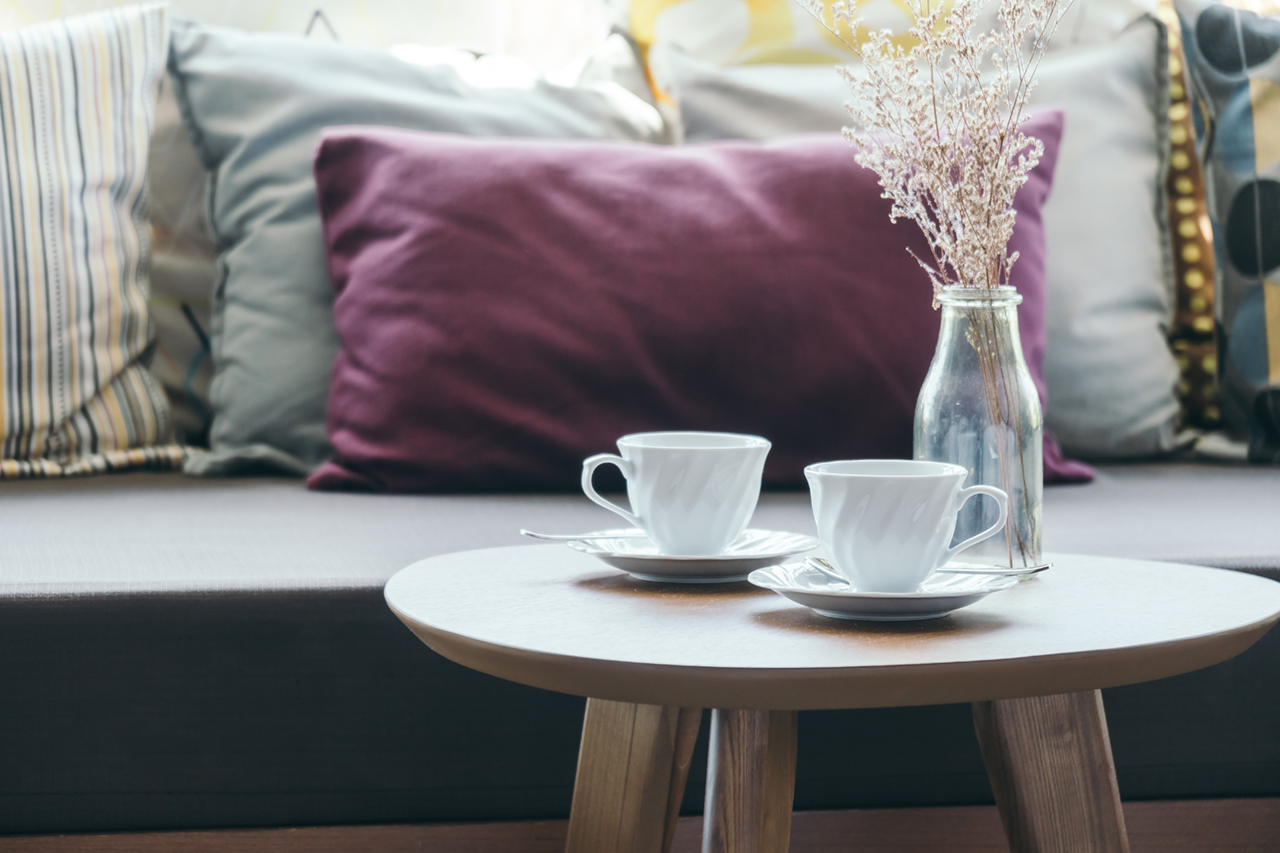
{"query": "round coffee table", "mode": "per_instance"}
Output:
(650, 657)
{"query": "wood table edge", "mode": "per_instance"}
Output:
(841, 687)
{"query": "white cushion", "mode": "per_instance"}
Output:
(1111, 374)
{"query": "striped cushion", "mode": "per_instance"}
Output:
(77, 104)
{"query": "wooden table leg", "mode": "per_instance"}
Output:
(1049, 760)
(632, 768)
(751, 782)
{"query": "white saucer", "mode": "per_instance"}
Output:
(942, 594)
(639, 557)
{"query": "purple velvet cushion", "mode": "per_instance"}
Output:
(509, 307)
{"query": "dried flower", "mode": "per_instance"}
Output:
(939, 123)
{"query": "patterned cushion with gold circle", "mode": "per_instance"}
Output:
(1233, 57)
(1192, 333)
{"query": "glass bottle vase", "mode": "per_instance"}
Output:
(979, 409)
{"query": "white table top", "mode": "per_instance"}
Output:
(550, 617)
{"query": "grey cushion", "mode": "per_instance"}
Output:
(1110, 372)
(184, 653)
(254, 105)
(183, 272)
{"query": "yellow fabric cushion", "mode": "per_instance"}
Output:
(743, 32)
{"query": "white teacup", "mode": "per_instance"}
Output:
(692, 493)
(887, 523)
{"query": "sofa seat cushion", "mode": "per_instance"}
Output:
(163, 533)
(1210, 515)
(168, 534)
(200, 654)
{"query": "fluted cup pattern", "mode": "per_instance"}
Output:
(691, 493)
(888, 524)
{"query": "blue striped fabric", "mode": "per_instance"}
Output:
(77, 105)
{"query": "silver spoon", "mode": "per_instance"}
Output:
(829, 570)
(823, 566)
(1024, 570)
(585, 537)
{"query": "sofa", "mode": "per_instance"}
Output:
(187, 654)
(212, 650)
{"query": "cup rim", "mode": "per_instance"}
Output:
(742, 441)
(922, 469)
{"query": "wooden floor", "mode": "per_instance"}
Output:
(1193, 826)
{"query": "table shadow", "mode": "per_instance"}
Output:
(958, 624)
(624, 584)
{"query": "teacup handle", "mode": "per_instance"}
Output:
(589, 469)
(963, 496)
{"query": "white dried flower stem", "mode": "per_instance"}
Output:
(939, 124)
